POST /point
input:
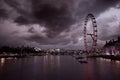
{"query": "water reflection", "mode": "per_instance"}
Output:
(56, 67)
(118, 62)
(2, 61)
(58, 61)
(50, 61)
(87, 72)
(109, 60)
(45, 64)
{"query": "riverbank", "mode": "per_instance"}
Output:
(19, 55)
(111, 57)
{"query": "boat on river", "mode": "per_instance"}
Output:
(83, 59)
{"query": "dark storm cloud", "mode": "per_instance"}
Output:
(56, 19)
(3, 14)
(47, 41)
(22, 20)
(95, 6)
(19, 7)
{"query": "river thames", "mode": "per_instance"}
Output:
(58, 67)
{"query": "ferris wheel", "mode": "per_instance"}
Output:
(92, 34)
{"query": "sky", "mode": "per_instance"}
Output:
(56, 23)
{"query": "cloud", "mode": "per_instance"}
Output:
(22, 21)
(109, 24)
(56, 22)
(3, 14)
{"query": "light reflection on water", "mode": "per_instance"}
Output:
(109, 60)
(50, 61)
(118, 62)
(2, 61)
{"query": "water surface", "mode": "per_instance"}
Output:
(58, 68)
